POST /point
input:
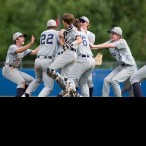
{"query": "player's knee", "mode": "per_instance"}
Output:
(21, 84)
(51, 73)
(113, 81)
(134, 79)
(38, 81)
(106, 80)
(30, 80)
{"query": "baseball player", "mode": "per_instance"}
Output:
(120, 50)
(83, 67)
(85, 25)
(15, 54)
(136, 79)
(71, 39)
(49, 43)
(60, 52)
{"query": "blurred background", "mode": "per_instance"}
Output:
(31, 16)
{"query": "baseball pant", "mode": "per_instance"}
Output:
(139, 76)
(18, 77)
(41, 76)
(118, 75)
(80, 72)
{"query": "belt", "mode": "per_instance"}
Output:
(6, 64)
(60, 53)
(125, 64)
(44, 57)
(72, 49)
(85, 56)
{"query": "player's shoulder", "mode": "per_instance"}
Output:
(12, 46)
(49, 30)
(89, 33)
(75, 31)
(122, 41)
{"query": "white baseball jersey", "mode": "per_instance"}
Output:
(48, 43)
(91, 37)
(69, 55)
(83, 67)
(127, 67)
(10, 69)
(122, 52)
(84, 47)
(13, 58)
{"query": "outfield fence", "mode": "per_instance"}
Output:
(8, 88)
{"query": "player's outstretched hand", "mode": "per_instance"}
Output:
(32, 39)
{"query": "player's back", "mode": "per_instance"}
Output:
(49, 43)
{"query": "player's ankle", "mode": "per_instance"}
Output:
(25, 95)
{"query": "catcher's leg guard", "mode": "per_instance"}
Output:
(51, 73)
(75, 94)
(56, 76)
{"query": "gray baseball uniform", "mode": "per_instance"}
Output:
(69, 55)
(66, 59)
(49, 42)
(10, 69)
(91, 37)
(139, 76)
(136, 80)
(60, 52)
(83, 67)
(127, 67)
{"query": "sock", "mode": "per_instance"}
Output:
(91, 91)
(26, 86)
(20, 92)
(26, 95)
(77, 88)
(137, 90)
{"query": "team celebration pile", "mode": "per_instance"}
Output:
(65, 57)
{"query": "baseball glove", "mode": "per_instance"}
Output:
(98, 59)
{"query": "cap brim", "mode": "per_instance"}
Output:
(109, 31)
(84, 20)
(24, 35)
(81, 19)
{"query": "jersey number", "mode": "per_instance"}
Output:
(84, 41)
(46, 39)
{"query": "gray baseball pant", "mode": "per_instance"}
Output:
(118, 75)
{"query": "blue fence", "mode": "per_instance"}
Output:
(8, 88)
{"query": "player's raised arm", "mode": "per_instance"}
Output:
(21, 39)
(34, 52)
